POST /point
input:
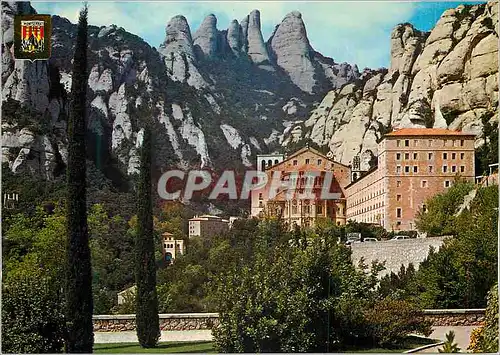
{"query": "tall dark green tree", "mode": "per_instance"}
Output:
(147, 320)
(79, 303)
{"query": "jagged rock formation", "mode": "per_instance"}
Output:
(219, 97)
(447, 78)
(206, 36)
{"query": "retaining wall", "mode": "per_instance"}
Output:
(178, 321)
(395, 252)
(207, 321)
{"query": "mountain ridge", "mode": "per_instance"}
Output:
(220, 97)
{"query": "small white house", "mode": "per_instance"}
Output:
(172, 247)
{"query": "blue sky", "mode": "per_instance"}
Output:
(348, 31)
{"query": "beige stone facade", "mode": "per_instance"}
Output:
(293, 210)
(207, 226)
(172, 248)
(414, 164)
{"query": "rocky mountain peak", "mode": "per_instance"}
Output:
(292, 51)
(234, 37)
(252, 35)
(205, 37)
(178, 36)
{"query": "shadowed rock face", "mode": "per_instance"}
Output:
(206, 36)
(234, 37)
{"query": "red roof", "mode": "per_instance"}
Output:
(427, 132)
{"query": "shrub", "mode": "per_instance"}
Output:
(32, 315)
(449, 345)
(485, 338)
(390, 321)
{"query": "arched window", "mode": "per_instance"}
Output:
(276, 161)
(263, 165)
(269, 162)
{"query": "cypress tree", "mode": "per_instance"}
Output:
(147, 320)
(78, 292)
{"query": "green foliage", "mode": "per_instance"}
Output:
(79, 303)
(300, 293)
(32, 313)
(32, 301)
(441, 209)
(488, 152)
(464, 269)
(449, 345)
(490, 335)
(391, 321)
(147, 321)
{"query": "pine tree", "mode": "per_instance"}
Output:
(147, 321)
(78, 292)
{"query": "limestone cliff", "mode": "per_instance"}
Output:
(447, 78)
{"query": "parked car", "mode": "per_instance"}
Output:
(370, 240)
(401, 237)
(353, 238)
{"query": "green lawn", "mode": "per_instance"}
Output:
(162, 348)
(411, 342)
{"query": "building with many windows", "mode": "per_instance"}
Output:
(207, 226)
(414, 164)
(293, 170)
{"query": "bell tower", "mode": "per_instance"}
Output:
(356, 168)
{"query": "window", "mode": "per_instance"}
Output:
(398, 142)
(398, 169)
(415, 169)
(454, 169)
(407, 169)
(398, 197)
(398, 183)
(415, 142)
(407, 156)
(445, 168)
(430, 168)
(307, 161)
(294, 209)
(295, 162)
(398, 212)
(444, 142)
(260, 196)
(261, 204)
(398, 156)
(398, 223)
(407, 143)
(447, 183)
(320, 161)
(430, 156)
(462, 155)
(462, 168)
(415, 156)
(319, 209)
(424, 183)
(462, 143)
(445, 155)
(430, 143)
(453, 155)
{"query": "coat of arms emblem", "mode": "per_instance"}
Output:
(32, 37)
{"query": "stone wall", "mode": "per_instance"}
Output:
(455, 317)
(395, 252)
(207, 321)
(181, 321)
